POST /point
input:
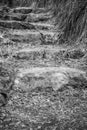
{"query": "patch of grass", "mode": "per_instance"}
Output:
(7, 77)
(78, 83)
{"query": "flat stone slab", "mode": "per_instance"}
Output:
(55, 77)
(22, 10)
(13, 16)
(16, 25)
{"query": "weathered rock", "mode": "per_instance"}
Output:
(16, 25)
(16, 17)
(22, 10)
(36, 19)
(54, 77)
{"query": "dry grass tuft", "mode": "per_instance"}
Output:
(70, 18)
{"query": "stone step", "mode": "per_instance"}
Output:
(39, 70)
(38, 54)
(24, 17)
(23, 10)
(27, 10)
(16, 25)
(47, 48)
(47, 53)
(13, 16)
(34, 18)
(42, 77)
(9, 14)
(43, 26)
(19, 32)
(43, 17)
(27, 36)
(13, 24)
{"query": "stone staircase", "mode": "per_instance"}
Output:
(28, 43)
